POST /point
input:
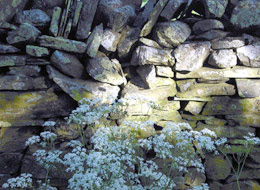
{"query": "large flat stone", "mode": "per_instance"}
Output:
(206, 25)
(223, 58)
(248, 88)
(5, 48)
(217, 74)
(35, 17)
(227, 43)
(249, 55)
(62, 44)
(13, 60)
(191, 56)
(245, 119)
(215, 8)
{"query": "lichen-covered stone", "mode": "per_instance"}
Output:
(217, 168)
(105, 70)
(211, 35)
(194, 107)
(37, 51)
(79, 89)
(245, 119)
(171, 8)
(184, 85)
(94, 41)
(215, 8)
(204, 90)
(245, 185)
(62, 44)
(171, 34)
(247, 174)
(5, 48)
(194, 178)
(152, 56)
(246, 14)
(248, 88)
(218, 74)
(227, 43)
(67, 63)
(206, 25)
(249, 55)
(223, 58)
(55, 20)
(26, 33)
(110, 40)
(27, 70)
(164, 71)
(9, 8)
(16, 82)
(226, 105)
(191, 56)
(35, 17)
(12, 60)
(87, 14)
(150, 43)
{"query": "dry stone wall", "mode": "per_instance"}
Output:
(199, 61)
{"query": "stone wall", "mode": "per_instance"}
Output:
(199, 61)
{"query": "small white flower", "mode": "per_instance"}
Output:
(32, 140)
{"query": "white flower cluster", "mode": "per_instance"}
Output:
(23, 181)
(49, 124)
(251, 139)
(32, 140)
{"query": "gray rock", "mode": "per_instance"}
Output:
(212, 35)
(171, 7)
(67, 63)
(105, 70)
(86, 18)
(143, 16)
(79, 89)
(215, 8)
(164, 71)
(35, 17)
(147, 28)
(110, 40)
(55, 20)
(129, 37)
(245, 185)
(248, 88)
(62, 44)
(247, 174)
(206, 25)
(171, 34)
(249, 39)
(227, 43)
(218, 74)
(215, 185)
(150, 43)
(191, 56)
(16, 82)
(204, 90)
(194, 107)
(152, 56)
(5, 48)
(223, 59)
(94, 41)
(14, 60)
(10, 162)
(184, 85)
(37, 51)
(26, 33)
(249, 55)
(10, 8)
(246, 14)
(245, 119)
(37, 61)
(217, 168)
(254, 154)
(47, 5)
(27, 70)
(194, 178)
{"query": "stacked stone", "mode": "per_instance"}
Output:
(165, 65)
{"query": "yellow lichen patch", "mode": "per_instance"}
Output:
(77, 95)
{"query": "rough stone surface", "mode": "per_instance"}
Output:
(150, 43)
(62, 44)
(67, 63)
(37, 51)
(14, 60)
(246, 14)
(245, 119)
(79, 89)
(211, 35)
(215, 8)
(248, 88)
(55, 19)
(35, 17)
(191, 56)
(171, 34)
(26, 33)
(245, 185)
(194, 107)
(216, 74)
(164, 71)
(105, 70)
(223, 59)
(171, 8)
(27, 70)
(206, 25)
(110, 40)
(249, 55)
(203, 90)
(10, 163)
(147, 55)
(227, 43)
(47, 5)
(94, 41)
(5, 48)
(217, 168)
(184, 85)
(10, 8)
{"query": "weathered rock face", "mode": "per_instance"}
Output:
(190, 57)
(223, 59)
(171, 34)
(94, 41)
(47, 5)
(67, 63)
(207, 25)
(110, 40)
(248, 88)
(10, 8)
(37, 51)
(249, 55)
(212, 35)
(215, 8)
(35, 17)
(105, 70)
(246, 14)
(171, 7)
(228, 43)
